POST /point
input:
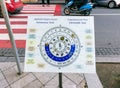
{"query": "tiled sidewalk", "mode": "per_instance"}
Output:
(10, 79)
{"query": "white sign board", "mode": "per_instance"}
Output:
(60, 44)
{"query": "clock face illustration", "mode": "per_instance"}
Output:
(60, 46)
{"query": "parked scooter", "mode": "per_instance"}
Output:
(84, 10)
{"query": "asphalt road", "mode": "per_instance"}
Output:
(107, 27)
(107, 32)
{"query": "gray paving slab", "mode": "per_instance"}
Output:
(12, 59)
(44, 77)
(38, 80)
(110, 59)
(1, 76)
(3, 82)
(3, 59)
(74, 77)
(5, 65)
(67, 81)
(11, 74)
(23, 81)
(64, 86)
(33, 84)
(8, 87)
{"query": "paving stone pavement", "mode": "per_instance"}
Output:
(10, 79)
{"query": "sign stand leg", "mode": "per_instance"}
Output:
(6, 17)
(60, 80)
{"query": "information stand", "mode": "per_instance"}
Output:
(8, 25)
(60, 44)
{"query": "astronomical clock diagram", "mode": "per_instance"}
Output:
(60, 44)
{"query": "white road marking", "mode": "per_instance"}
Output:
(38, 11)
(14, 19)
(35, 14)
(14, 26)
(16, 36)
(106, 14)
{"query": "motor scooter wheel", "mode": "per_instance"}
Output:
(66, 11)
(87, 12)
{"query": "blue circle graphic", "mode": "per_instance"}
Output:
(60, 59)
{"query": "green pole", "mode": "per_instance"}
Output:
(8, 25)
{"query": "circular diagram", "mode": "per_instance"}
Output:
(60, 46)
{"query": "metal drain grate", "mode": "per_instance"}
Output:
(9, 52)
(99, 52)
(107, 51)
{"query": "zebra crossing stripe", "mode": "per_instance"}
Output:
(18, 31)
(19, 23)
(7, 43)
(16, 36)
